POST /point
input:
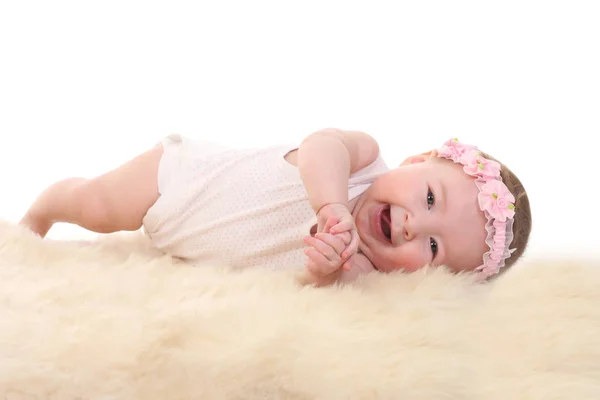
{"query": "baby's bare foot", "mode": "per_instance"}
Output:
(37, 225)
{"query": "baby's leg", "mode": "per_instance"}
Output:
(114, 201)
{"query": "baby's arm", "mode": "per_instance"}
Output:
(115, 201)
(327, 158)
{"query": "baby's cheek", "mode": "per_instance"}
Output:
(411, 266)
(408, 259)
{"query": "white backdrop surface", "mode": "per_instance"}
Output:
(84, 86)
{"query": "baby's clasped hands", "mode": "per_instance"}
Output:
(335, 242)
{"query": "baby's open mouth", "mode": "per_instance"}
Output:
(386, 223)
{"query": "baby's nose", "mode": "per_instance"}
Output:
(408, 234)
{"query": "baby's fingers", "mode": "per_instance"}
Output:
(353, 246)
(317, 258)
(345, 237)
(334, 241)
(317, 263)
(343, 226)
(330, 253)
(331, 221)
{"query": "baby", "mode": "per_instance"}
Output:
(330, 206)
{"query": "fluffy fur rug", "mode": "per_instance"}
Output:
(113, 320)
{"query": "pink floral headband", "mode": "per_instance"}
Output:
(495, 200)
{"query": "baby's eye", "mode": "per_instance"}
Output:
(434, 246)
(430, 199)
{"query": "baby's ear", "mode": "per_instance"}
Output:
(419, 158)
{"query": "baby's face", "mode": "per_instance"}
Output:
(424, 212)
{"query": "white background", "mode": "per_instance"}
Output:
(84, 86)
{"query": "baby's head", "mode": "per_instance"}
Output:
(455, 206)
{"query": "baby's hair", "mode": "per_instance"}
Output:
(522, 219)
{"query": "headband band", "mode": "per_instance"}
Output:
(494, 198)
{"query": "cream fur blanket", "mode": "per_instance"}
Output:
(112, 320)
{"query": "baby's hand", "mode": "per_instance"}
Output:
(324, 254)
(336, 219)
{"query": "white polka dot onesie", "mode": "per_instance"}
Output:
(243, 208)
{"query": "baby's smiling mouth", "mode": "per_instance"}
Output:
(386, 223)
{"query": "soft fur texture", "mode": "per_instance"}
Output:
(114, 320)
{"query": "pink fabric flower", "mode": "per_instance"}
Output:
(495, 198)
(454, 150)
(481, 166)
